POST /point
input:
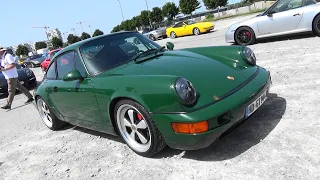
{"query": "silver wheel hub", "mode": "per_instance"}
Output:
(134, 128)
(44, 112)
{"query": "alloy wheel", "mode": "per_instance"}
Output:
(134, 128)
(244, 36)
(196, 31)
(173, 35)
(318, 25)
(44, 113)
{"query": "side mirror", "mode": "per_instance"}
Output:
(72, 75)
(170, 46)
(270, 13)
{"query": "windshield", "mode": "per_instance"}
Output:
(111, 51)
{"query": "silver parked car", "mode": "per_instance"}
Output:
(155, 34)
(282, 18)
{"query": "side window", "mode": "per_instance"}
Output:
(285, 5)
(179, 24)
(79, 65)
(65, 64)
(51, 72)
(310, 2)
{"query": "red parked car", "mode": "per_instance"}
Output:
(44, 65)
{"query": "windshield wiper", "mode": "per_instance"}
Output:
(147, 51)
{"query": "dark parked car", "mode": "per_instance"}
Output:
(34, 61)
(26, 78)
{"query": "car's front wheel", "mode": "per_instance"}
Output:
(196, 31)
(316, 25)
(152, 37)
(47, 116)
(137, 128)
(245, 36)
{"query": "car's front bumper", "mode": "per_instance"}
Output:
(217, 125)
(229, 36)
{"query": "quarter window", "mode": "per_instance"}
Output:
(51, 72)
(65, 64)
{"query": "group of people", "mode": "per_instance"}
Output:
(9, 70)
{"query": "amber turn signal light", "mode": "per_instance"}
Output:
(190, 128)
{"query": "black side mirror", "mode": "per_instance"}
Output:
(170, 46)
(270, 13)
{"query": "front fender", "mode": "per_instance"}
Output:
(153, 92)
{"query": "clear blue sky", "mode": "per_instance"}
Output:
(19, 16)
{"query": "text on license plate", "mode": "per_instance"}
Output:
(256, 104)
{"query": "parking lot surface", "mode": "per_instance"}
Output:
(280, 141)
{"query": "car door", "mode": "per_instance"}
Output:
(75, 100)
(179, 28)
(283, 17)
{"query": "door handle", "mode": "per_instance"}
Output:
(55, 89)
(297, 14)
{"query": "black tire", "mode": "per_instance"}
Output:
(151, 36)
(157, 142)
(32, 65)
(244, 36)
(173, 35)
(196, 31)
(56, 123)
(316, 25)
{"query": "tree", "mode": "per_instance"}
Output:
(85, 35)
(73, 39)
(40, 45)
(116, 29)
(188, 6)
(156, 15)
(144, 18)
(22, 50)
(170, 10)
(56, 42)
(213, 4)
(97, 32)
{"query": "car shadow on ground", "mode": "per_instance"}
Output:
(242, 138)
(286, 38)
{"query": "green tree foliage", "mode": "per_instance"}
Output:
(156, 15)
(56, 42)
(40, 45)
(170, 10)
(73, 39)
(212, 4)
(97, 32)
(22, 50)
(144, 18)
(116, 29)
(188, 6)
(85, 35)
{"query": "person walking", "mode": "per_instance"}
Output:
(9, 70)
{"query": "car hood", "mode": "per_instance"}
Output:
(36, 60)
(21, 75)
(209, 76)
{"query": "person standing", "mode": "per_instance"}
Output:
(9, 70)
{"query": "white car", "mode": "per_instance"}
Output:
(282, 18)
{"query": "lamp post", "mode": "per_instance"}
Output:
(121, 10)
(148, 10)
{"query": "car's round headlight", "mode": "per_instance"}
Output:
(249, 55)
(185, 91)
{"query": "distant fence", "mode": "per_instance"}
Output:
(241, 10)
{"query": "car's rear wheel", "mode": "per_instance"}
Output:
(152, 37)
(316, 25)
(32, 65)
(196, 31)
(137, 128)
(47, 116)
(173, 35)
(245, 36)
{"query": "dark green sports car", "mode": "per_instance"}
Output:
(152, 96)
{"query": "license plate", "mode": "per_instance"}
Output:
(256, 104)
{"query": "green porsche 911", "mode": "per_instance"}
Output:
(152, 96)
